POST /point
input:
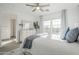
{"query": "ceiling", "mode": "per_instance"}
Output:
(21, 8)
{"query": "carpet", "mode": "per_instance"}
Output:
(9, 46)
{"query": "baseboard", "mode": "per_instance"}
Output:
(5, 39)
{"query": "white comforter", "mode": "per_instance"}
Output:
(46, 46)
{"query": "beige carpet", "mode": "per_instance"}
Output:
(10, 46)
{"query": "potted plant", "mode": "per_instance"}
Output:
(36, 26)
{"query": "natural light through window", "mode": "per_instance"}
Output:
(46, 24)
(56, 26)
(56, 23)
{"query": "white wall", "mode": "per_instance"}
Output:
(5, 23)
(4, 26)
(20, 11)
(72, 17)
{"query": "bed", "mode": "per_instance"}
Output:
(46, 46)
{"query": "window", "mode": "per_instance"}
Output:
(46, 24)
(56, 23)
(26, 26)
(52, 27)
(56, 26)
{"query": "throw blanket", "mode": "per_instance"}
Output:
(29, 40)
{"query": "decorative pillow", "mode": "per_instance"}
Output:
(72, 35)
(78, 38)
(65, 33)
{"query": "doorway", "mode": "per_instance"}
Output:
(13, 28)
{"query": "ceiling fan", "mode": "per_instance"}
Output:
(38, 6)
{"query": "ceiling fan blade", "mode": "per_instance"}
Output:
(34, 10)
(30, 5)
(41, 9)
(44, 5)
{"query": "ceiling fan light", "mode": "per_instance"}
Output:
(38, 8)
